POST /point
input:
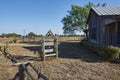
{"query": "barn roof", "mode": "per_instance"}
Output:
(104, 11)
(107, 10)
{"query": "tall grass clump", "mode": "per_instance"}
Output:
(107, 52)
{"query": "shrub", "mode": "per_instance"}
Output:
(110, 52)
(14, 40)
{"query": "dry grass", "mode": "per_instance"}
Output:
(74, 63)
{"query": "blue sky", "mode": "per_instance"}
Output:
(38, 16)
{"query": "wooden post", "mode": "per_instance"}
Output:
(39, 72)
(56, 46)
(43, 48)
(6, 48)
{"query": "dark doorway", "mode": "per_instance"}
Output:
(118, 33)
(110, 34)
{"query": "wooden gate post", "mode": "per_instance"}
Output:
(56, 46)
(43, 48)
(46, 42)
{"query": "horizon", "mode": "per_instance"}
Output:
(38, 16)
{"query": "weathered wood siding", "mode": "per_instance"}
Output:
(112, 25)
(104, 35)
(94, 24)
(91, 23)
(106, 27)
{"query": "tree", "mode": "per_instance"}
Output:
(76, 19)
(10, 35)
(31, 34)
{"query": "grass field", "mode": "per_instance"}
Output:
(74, 63)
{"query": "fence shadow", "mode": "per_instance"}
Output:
(20, 74)
(33, 48)
(22, 69)
(70, 50)
(73, 50)
(36, 51)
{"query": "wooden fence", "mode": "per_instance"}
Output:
(49, 47)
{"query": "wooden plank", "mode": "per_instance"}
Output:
(49, 40)
(16, 64)
(49, 43)
(48, 50)
(50, 54)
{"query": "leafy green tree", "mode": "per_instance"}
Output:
(76, 19)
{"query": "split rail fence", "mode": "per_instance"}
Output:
(22, 65)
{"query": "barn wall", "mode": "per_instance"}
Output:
(102, 30)
(98, 29)
(109, 20)
(106, 21)
(99, 22)
(93, 28)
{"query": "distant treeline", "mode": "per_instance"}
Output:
(10, 35)
(72, 35)
(32, 35)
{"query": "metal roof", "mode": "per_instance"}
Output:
(107, 10)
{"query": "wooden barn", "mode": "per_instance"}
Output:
(104, 25)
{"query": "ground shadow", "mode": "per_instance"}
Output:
(30, 58)
(74, 50)
(115, 61)
(20, 75)
(35, 49)
(70, 50)
(22, 69)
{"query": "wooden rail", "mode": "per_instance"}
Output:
(24, 65)
(40, 76)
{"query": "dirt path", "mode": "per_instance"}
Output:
(74, 63)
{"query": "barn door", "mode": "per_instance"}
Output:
(110, 34)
